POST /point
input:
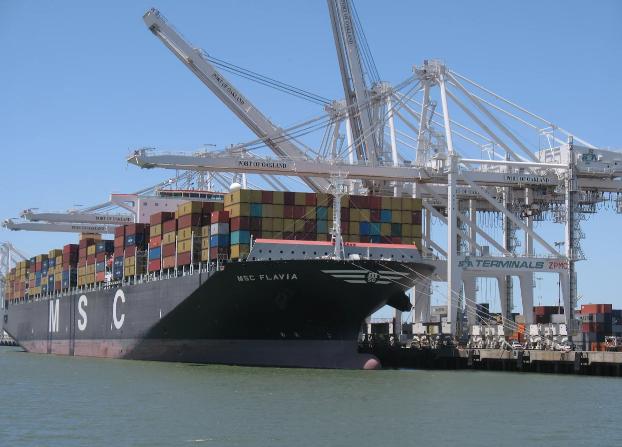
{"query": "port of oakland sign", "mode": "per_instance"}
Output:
(513, 264)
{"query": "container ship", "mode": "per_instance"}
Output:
(262, 278)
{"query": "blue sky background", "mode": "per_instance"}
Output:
(83, 83)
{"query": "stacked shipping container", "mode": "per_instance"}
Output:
(596, 323)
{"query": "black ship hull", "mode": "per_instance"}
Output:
(291, 313)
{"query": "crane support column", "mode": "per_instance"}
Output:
(572, 242)
(526, 279)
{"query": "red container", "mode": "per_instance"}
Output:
(57, 285)
(267, 196)
(169, 225)
(100, 257)
(160, 217)
(136, 228)
(90, 259)
(288, 211)
(374, 215)
(118, 251)
(154, 265)
(289, 198)
(189, 220)
(155, 241)
(360, 202)
(168, 263)
(100, 276)
(345, 214)
(119, 231)
(255, 224)
(220, 217)
(215, 251)
(310, 199)
(119, 241)
(375, 203)
(86, 242)
(299, 212)
(209, 207)
(70, 248)
(240, 223)
(596, 308)
(168, 250)
(130, 251)
(186, 258)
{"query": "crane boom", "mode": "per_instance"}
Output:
(356, 92)
(75, 217)
(273, 136)
(58, 227)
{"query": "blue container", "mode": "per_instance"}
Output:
(104, 247)
(374, 229)
(51, 263)
(385, 216)
(118, 262)
(44, 289)
(321, 213)
(155, 253)
(65, 283)
(65, 275)
(364, 228)
(117, 274)
(100, 267)
(256, 209)
(44, 272)
(240, 237)
(322, 226)
(219, 240)
(396, 229)
(45, 264)
(375, 238)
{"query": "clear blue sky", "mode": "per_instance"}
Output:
(82, 83)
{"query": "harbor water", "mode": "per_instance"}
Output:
(61, 401)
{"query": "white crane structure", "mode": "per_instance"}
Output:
(468, 152)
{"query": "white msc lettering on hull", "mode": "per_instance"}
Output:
(274, 277)
(118, 322)
(82, 303)
(53, 322)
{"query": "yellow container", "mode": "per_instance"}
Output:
(90, 269)
(277, 211)
(299, 226)
(364, 215)
(186, 208)
(385, 229)
(266, 224)
(169, 238)
(407, 204)
(354, 227)
(239, 196)
(323, 199)
(278, 198)
(417, 204)
(406, 231)
(277, 235)
(396, 203)
(129, 260)
(300, 199)
(277, 224)
(255, 196)
(407, 217)
(323, 237)
(205, 229)
(55, 253)
(310, 213)
(416, 231)
(239, 250)
(90, 250)
(239, 210)
(267, 234)
(355, 215)
(385, 203)
(155, 230)
(205, 243)
(187, 233)
(185, 246)
(288, 225)
(267, 210)
(205, 254)
(59, 260)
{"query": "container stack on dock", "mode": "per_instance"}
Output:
(596, 323)
(546, 314)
